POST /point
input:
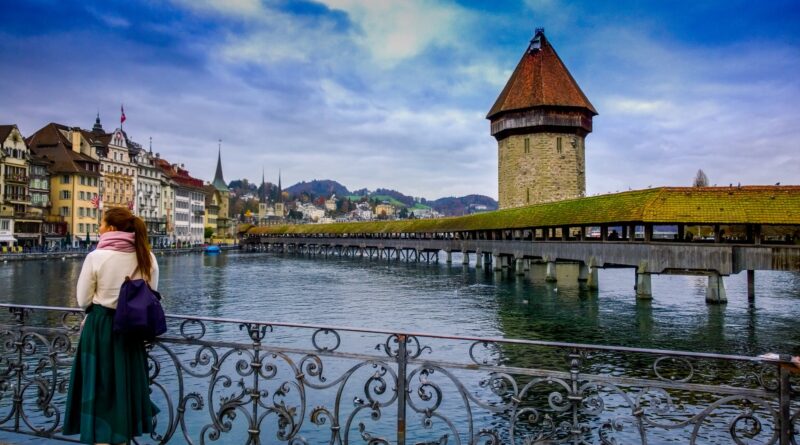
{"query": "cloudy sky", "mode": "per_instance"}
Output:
(377, 93)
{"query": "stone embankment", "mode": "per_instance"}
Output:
(67, 254)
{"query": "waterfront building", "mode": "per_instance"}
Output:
(18, 225)
(224, 225)
(213, 199)
(53, 227)
(185, 213)
(74, 178)
(119, 170)
(540, 122)
(149, 195)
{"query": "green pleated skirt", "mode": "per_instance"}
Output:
(109, 393)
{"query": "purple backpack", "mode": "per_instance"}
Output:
(139, 313)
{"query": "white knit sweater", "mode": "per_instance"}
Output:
(103, 273)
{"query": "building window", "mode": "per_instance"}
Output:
(528, 192)
(65, 194)
(527, 145)
(5, 224)
(80, 227)
(64, 211)
(83, 180)
(558, 145)
(65, 179)
(80, 212)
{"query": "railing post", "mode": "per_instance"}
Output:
(19, 315)
(402, 361)
(784, 404)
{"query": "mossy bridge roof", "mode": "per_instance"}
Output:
(664, 205)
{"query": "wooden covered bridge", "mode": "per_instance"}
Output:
(713, 231)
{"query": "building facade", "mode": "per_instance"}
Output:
(17, 224)
(540, 122)
(74, 180)
(149, 189)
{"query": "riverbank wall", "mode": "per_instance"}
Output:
(69, 254)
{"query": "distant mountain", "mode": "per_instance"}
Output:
(322, 187)
(453, 206)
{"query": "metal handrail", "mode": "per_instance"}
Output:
(568, 397)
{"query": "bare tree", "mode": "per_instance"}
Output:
(700, 179)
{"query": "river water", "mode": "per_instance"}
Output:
(452, 299)
(447, 299)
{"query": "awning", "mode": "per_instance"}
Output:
(7, 239)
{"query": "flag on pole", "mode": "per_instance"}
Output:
(122, 116)
(96, 201)
(130, 205)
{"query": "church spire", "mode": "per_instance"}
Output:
(280, 189)
(219, 181)
(98, 128)
(263, 188)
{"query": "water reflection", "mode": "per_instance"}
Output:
(453, 299)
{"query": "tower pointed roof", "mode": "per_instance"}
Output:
(540, 80)
(98, 127)
(219, 181)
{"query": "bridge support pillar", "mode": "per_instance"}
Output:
(519, 264)
(715, 292)
(497, 261)
(465, 258)
(478, 259)
(594, 280)
(449, 258)
(583, 272)
(751, 285)
(550, 272)
(644, 287)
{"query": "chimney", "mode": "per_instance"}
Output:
(76, 140)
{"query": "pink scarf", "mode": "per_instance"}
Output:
(117, 240)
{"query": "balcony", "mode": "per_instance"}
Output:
(17, 199)
(28, 215)
(20, 179)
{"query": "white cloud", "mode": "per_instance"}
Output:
(396, 30)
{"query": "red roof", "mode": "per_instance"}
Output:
(540, 79)
(179, 175)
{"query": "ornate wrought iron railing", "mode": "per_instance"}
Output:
(241, 381)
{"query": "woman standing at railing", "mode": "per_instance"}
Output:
(109, 398)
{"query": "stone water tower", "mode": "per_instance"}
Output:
(540, 121)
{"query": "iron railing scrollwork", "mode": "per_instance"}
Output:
(220, 380)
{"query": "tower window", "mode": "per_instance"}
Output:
(528, 192)
(527, 145)
(558, 145)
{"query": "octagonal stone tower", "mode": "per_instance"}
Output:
(540, 121)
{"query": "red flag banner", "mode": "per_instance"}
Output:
(96, 201)
(130, 205)
(122, 116)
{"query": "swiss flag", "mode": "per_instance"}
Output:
(122, 117)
